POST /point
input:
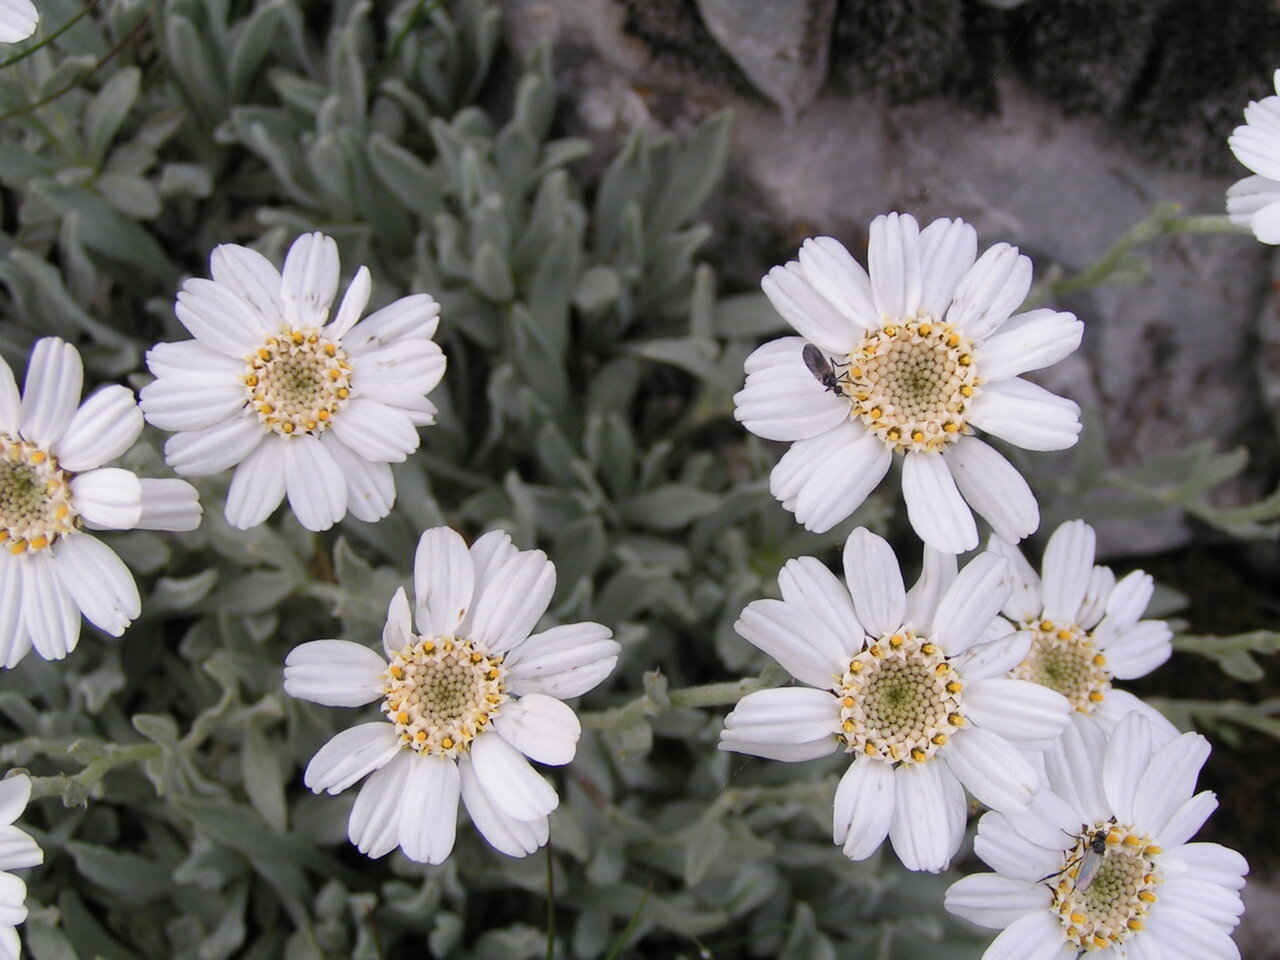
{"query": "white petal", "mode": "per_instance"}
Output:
(1075, 768)
(396, 373)
(806, 582)
(1101, 582)
(443, 582)
(1010, 853)
(1138, 650)
(371, 489)
(990, 292)
(18, 20)
(214, 449)
(786, 752)
(993, 487)
(429, 810)
(995, 657)
(219, 319)
(397, 632)
(314, 483)
(798, 640)
(191, 358)
(105, 426)
(251, 277)
(258, 485)
(15, 794)
(1017, 710)
(515, 838)
(783, 715)
(1026, 415)
(507, 779)
(937, 573)
(310, 279)
(875, 582)
(1185, 937)
(781, 399)
(893, 261)
(375, 431)
(540, 727)
(972, 602)
(51, 393)
(1211, 862)
(811, 314)
(919, 829)
(948, 249)
(336, 673)
(98, 582)
(18, 849)
(1067, 568)
(374, 825)
(1029, 341)
(14, 639)
(13, 909)
(1169, 780)
(833, 272)
(1025, 602)
(49, 614)
(833, 474)
(168, 505)
(1255, 202)
(1256, 144)
(991, 768)
(353, 303)
(1128, 601)
(937, 511)
(1201, 898)
(993, 901)
(10, 401)
(562, 662)
(1126, 759)
(508, 607)
(1118, 704)
(192, 401)
(863, 807)
(1049, 822)
(489, 554)
(413, 317)
(350, 755)
(1033, 936)
(108, 497)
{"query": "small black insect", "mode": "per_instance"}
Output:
(1089, 861)
(820, 367)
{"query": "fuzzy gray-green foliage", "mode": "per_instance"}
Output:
(585, 410)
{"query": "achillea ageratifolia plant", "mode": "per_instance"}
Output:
(578, 685)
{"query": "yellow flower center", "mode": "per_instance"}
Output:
(1102, 898)
(899, 699)
(297, 381)
(1064, 658)
(35, 497)
(441, 692)
(910, 384)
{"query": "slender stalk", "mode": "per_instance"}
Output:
(706, 695)
(45, 41)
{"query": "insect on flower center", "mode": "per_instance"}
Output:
(1063, 658)
(35, 497)
(1103, 898)
(910, 383)
(441, 692)
(899, 699)
(296, 381)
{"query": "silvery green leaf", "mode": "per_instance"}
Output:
(704, 842)
(107, 110)
(182, 593)
(44, 941)
(253, 38)
(185, 179)
(157, 728)
(624, 183)
(189, 57)
(264, 780)
(446, 934)
(411, 181)
(132, 196)
(598, 287)
(687, 174)
(693, 356)
(539, 363)
(134, 880)
(89, 937)
(669, 507)
(748, 315)
(517, 942)
(109, 234)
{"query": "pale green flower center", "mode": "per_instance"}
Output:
(442, 691)
(1103, 898)
(296, 381)
(1063, 658)
(35, 497)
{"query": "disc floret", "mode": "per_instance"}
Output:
(36, 508)
(1115, 903)
(296, 381)
(1063, 657)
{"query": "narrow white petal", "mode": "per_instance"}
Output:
(783, 715)
(108, 497)
(989, 293)
(1025, 602)
(375, 431)
(937, 511)
(15, 794)
(168, 505)
(309, 279)
(835, 472)
(397, 632)
(514, 786)
(18, 849)
(413, 317)
(1050, 822)
(796, 639)
(258, 485)
(1074, 768)
(515, 838)
(371, 489)
(18, 20)
(105, 426)
(1256, 144)
(811, 314)
(214, 449)
(562, 662)
(48, 613)
(350, 755)
(1185, 937)
(220, 319)
(14, 639)
(997, 656)
(51, 393)
(948, 248)
(1033, 936)
(1011, 854)
(443, 582)
(252, 277)
(429, 810)
(353, 303)
(98, 582)
(781, 399)
(374, 824)
(10, 400)
(785, 752)
(1067, 568)
(991, 768)
(336, 673)
(314, 483)
(1169, 780)
(1029, 341)
(1138, 650)
(919, 829)
(509, 606)
(1118, 704)
(1128, 601)
(1128, 755)
(993, 487)
(13, 908)
(1026, 415)
(1255, 202)
(1101, 582)
(863, 807)
(191, 358)
(875, 582)
(972, 602)
(840, 279)
(1211, 862)
(397, 373)
(1017, 710)
(993, 901)
(806, 582)
(540, 727)
(893, 261)
(1197, 897)
(191, 401)
(937, 573)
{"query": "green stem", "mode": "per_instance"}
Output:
(45, 41)
(706, 695)
(116, 756)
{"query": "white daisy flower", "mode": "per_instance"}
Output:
(913, 686)
(1086, 628)
(18, 20)
(908, 361)
(1100, 865)
(53, 486)
(17, 850)
(1254, 202)
(465, 701)
(313, 410)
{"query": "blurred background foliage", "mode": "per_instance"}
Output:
(586, 409)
